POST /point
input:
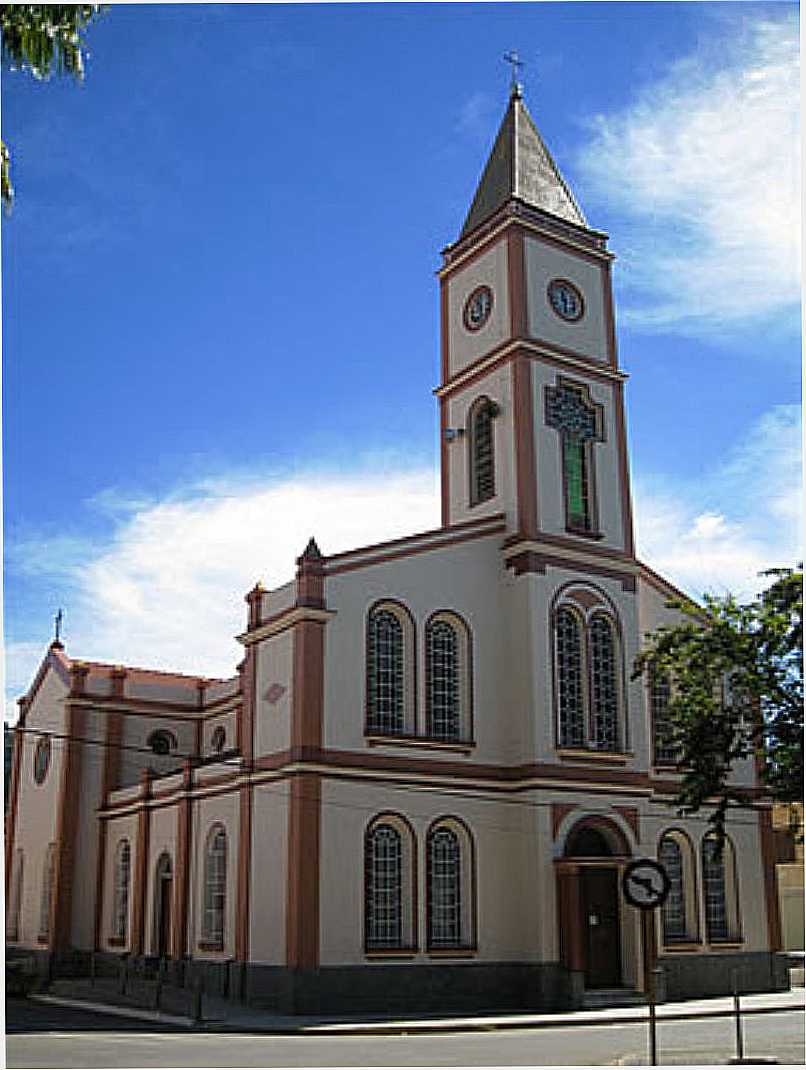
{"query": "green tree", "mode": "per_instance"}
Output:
(735, 673)
(41, 38)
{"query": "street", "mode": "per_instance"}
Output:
(48, 1036)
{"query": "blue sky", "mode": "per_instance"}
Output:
(220, 315)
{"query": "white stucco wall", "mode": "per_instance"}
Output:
(118, 829)
(267, 893)
(162, 837)
(85, 864)
(274, 695)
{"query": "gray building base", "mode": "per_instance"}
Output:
(701, 976)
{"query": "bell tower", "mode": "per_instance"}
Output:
(531, 396)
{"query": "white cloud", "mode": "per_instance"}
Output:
(716, 533)
(704, 173)
(167, 590)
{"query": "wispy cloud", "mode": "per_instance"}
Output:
(743, 515)
(703, 172)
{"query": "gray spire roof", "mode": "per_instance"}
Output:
(521, 166)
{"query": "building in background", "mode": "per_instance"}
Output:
(422, 784)
(787, 820)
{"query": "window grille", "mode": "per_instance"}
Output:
(713, 875)
(674, 909)
(569, 677)
(13, 921)
(444, 704)
(604, 684)
(660, 693)
(48, 878)
(383, 888)
(385, 673)
(215, 885)
(121, 897)
(482, 452)
(444, 889)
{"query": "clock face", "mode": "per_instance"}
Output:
(566, 300)
(478, 308)
(645, 883)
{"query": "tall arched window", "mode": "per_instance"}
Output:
(482, 450)
(604, 683)
(720, 891)
(15, 906)
(570, 694)
(120, 908)
(390, 669)
(679, 912)
(215, 886)
(447, 678)
(383, 887)
(444, 889)
(660, 693)
(46, 903)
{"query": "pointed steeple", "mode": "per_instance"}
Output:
(521, 166)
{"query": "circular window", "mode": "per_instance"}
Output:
(478, 308)
(162, 742)
(41, 759)
(218, 740)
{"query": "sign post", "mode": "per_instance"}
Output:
(645, 885)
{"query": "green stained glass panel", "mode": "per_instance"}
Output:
(575, 481)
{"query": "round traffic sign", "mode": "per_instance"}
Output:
(645, 883)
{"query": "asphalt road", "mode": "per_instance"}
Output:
(48, 1036)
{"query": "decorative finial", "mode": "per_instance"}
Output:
(312, 551)
(58, 622)
(514, 59)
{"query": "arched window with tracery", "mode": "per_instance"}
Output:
(679, 911)
(570, 688)
(604, 683)
(120, 916)
(449, 885)
(390, 666)
(215, 886)
(720, 891)
(660, 694)
(447, 678)
(46, 902)
(383, 887)
(482, 450)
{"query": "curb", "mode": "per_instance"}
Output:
(115, 1009)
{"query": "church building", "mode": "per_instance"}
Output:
(422, 784)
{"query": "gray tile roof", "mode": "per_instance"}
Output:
(521, 166)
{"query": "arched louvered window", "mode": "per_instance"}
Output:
(383, 886)
(570, 693)
(604, 684)
(444, 889)
(660, 694)
(385, 673)
(215, 886)
(670, 857)
(48, 879)
(15, 906)
(121, 893)
(720, 891)
(442, 680)
(482, 451)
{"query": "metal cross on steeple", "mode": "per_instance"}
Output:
(58, 622)
(514, 59)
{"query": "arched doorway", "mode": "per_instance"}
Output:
(590, 901)
(163, 898)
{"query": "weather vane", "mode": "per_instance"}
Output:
(514, 59)
(58, 621)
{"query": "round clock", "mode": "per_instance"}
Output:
(645, 884)
(478, 308)
(566, 300)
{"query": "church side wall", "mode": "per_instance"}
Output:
(269, 876)
(38, 804)
(227, 721)
(136, 753)
(275, 658)
(207, 813)
(161, 839)
(117, 830)
(85, 887)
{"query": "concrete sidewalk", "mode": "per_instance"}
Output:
(219, 1015)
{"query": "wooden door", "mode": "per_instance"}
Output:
(600, 905)
(164, 933)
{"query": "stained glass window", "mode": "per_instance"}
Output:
(121, 895)
(666, 752)
(215, 886)
(569, 412)
(713, 875)
(442, 654)
(576, 483)
(604, 686)
(482, 459)
(444, 888)
(385, 713)
(569, 679)
(383, 878)
(674, 909)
